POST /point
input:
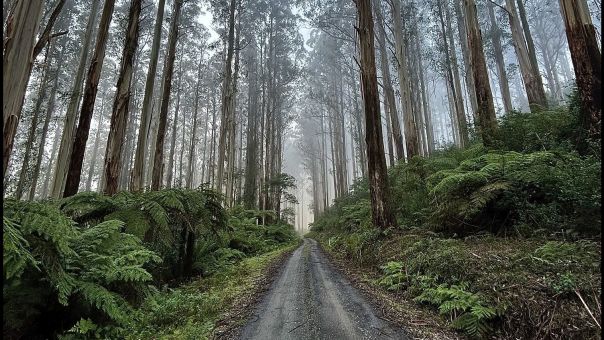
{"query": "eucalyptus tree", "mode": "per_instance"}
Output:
(381, 213)
(587, 61)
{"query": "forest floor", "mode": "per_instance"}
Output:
(311, 299)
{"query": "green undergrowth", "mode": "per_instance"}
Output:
(501, 242)
(80, 267)
(191, 311)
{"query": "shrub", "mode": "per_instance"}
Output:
(470, 312)
(68, 273)
(540, 190)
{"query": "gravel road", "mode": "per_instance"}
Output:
(311, 300)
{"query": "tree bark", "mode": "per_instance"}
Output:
(504, 86)
(387, 83)
(170, 169)
(67, 138)
(31, 135)
(587, 61)
(158, 159)
(95, 147)
(484, 97)
(190, 165)
(17, 63)
(90, 90)
(137, 180)
(227, 97)
(49, 112)
(382, 216)
(530, 75)
(453, 75)
(411, 140)
(119, 114)
(463, 38)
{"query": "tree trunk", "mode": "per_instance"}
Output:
(49, 112)
(530, 75)
(227, 97)
(17, 63)
(170, 170)
(190, 165)
(587, 61)
(31, 135)
(382, 216)
(158, 159)
(251, 167)
(137, 180)
(95, 147)
(529, 41)
(403, 75)
(453, 75)
(49, 166)
(67, 139)
(426, 100)
(463, 38)
(499, 61)
(388, 90)
(90, 91)
(484, 97)
(119, 114)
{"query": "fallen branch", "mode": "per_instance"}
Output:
(587, 308)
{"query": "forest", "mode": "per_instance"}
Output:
(169, 165)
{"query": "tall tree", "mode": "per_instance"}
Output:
(17, 62)
(69, 126)
(49, 113)
(119, 115)
(158, 159)
(532, 79)
(587, 61)
(487, 121)
(387, 84)
(137, 178)
(92, 82)
(502, 76)
(381, 214)
(34, 125)
(411, 140)
(227, 98)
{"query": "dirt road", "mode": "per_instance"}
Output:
(311, 300)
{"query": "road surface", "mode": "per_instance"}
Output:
(311, 300)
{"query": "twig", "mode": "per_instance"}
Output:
(587, 308)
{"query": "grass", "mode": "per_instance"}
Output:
(192, 310)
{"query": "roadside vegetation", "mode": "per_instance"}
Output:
(93, 266)
(501, 242)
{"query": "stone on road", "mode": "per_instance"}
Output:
(311, 300)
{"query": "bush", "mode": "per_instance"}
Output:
(550, 130)
(58, 273)
(535, 191)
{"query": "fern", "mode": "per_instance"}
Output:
(469, 311)
(16, 255)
